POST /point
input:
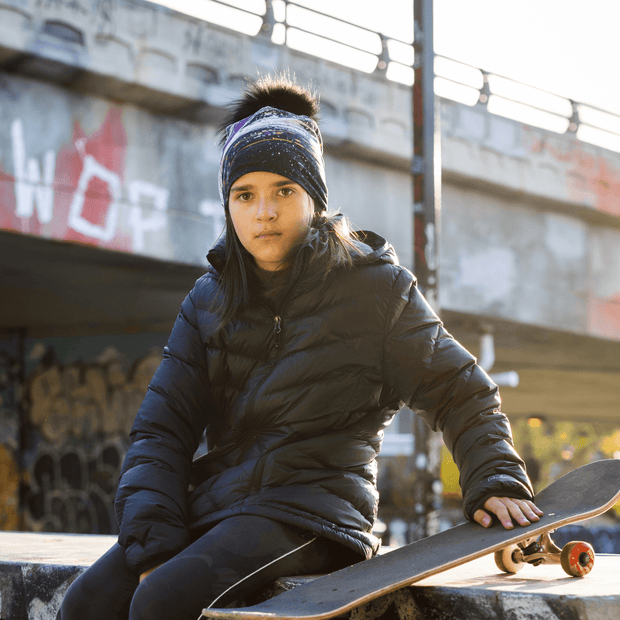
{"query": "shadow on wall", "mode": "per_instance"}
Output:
(77, 420)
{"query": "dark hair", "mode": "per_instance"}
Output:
(240, 285)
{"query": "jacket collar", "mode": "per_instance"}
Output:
(371, 248)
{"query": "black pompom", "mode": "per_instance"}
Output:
(278, 91)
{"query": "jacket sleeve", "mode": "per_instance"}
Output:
(151, 501)
(440, 380)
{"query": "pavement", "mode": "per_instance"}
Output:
(36, 570)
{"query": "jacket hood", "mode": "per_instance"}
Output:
(373, 248)
(217, 254)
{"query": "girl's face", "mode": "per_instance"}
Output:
(271, 215)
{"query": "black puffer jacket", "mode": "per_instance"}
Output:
(294, 403)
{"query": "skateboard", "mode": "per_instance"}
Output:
(581, 494)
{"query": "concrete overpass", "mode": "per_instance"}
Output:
(108, 193)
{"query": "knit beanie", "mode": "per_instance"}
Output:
(274, 139)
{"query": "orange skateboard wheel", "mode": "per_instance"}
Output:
(577, 558)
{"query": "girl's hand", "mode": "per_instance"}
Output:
(506, 509)
(146, 573)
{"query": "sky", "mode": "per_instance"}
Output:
(555, 45)
(568, 47)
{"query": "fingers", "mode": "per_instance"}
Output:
(480, 516)
(508, 511)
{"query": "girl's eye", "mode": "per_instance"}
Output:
(287, 191)
(244, 197)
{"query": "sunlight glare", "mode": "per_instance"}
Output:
(400, 52)
(278, 36)
(252, 6)
(326, 26)
(220, 14)
(279, 10)
(457, 92)
(368, 14)
(593, 135)
(523, 113)
(458, 72)
(400, 73)
(532, 96)
(599, 119)
(330, 50)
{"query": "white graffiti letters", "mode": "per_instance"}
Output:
(213, 209)
(93, 169)
(102, 205)
(157, 219)
(30, 188)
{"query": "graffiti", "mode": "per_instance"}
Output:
(79, 416)
(80, 193)
(9, 442)
(157, 220)
(604, 316)
(30, 186)
(89, 183)
(591, 178)
(72, 488)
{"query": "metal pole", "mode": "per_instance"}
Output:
(426, 171)
(426, 165)
(19, 391)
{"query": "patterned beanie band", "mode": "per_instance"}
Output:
(273, 140)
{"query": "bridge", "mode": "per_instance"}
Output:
(109, 166)
(109, 203)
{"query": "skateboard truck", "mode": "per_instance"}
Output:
(576, 558)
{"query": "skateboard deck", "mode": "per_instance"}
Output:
(581, 494)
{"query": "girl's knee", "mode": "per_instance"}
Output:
(147, 603)
(75, 604)
(171, 592)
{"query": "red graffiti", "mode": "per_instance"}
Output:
(604, 317)
(8, 218)
(588, 176)
(73, 196)
(89, 178)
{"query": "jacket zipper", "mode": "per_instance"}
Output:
(277, 330)
(257, 474)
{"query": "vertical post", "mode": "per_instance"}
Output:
(426, 165)
(19, 386)
(426, 171)
(269, 20)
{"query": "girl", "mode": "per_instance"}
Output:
(294, 351)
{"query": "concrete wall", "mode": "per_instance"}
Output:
(114, 176)
(108, 140)
(530, 226)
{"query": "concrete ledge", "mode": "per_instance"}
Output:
(37, 569)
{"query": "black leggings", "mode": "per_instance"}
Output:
(231, 560)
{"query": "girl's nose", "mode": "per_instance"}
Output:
(266, 209)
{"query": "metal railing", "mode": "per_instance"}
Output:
(298, 25)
